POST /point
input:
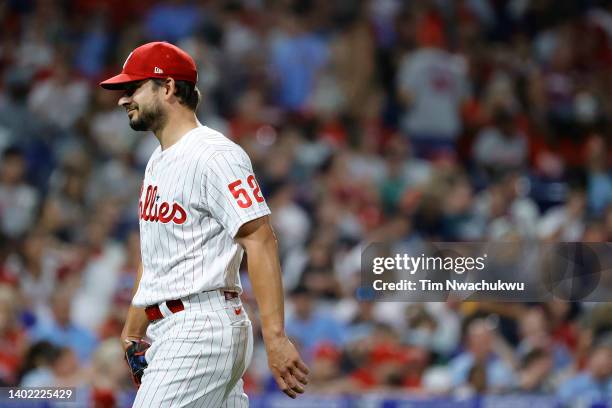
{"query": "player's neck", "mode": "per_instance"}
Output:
(176, 126)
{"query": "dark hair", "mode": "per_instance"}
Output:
(39, 354)
(533, 356)
(12, 152)
(187, 93)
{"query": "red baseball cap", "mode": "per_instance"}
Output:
(154, 60)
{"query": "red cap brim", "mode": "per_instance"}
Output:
(119, 81)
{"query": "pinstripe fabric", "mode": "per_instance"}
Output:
(189, 216)
(182, 256)
(198, 356)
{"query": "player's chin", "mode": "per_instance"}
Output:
(139, 125)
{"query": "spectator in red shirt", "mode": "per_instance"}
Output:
(13, 338)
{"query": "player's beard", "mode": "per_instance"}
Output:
(152, 118)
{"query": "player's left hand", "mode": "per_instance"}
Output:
(288, 369)
(135, 357)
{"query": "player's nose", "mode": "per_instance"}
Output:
(124, 100)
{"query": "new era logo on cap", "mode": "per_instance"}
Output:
(154, 60)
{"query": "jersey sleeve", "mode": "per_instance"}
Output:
(232, 193)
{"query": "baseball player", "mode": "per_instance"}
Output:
(200, 208)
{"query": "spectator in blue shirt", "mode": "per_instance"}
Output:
(59, 329)
(599, 176)
(594, 385)
(297, 56)
(172, 20)
(480, 350)
(310, 327)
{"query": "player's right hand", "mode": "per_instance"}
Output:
(135, 357)
(288, 369)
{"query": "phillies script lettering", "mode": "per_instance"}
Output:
(163, 212)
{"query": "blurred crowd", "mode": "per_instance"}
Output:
(366, 121)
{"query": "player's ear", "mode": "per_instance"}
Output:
(169, 87)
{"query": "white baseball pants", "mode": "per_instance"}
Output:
(198, 356)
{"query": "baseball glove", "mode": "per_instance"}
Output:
(135, 357)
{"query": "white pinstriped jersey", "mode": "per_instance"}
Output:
(195, 196)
